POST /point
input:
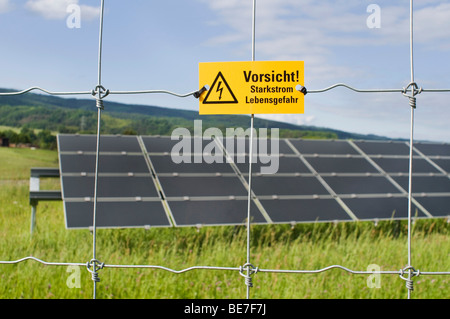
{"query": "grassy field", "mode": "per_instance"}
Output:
(306, 247)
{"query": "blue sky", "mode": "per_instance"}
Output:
(158, 45)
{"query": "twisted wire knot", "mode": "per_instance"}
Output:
(414, 91)
(251, 270)
(412, 272)
(96, 265)
(412, 102)
(100, 93)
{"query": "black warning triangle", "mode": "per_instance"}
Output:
(220, 92)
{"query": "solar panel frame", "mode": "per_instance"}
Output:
(168, 144)
(342, 185)
(401, 165)
(286, 164)
(287, 186)
(382, 208)
(241, 145)
(305, 210)
(79, 214)
(372, 148)
(443, 164)
(118, 163)
(323, 147)
(425, 184)
(433, 149)
(164, 164)
(202, 186)
(88, 143)
(438, 206)
(204, 212)
(109, 187)
(341, 164)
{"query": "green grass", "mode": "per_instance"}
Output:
(306, 247)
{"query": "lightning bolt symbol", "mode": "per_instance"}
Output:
(219, 89)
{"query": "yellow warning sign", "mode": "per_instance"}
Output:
(254, 87)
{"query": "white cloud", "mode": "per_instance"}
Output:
(89, 12)
(293, 30)
(312, 30)
(432, 25)
(5, 6)
(57, 9)
(333, 39)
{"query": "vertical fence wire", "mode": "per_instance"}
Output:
(411, 43)
(250, 160)
(97, 155)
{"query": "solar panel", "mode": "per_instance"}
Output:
(268, 185)
(109, 186)
(433, 149)
(162, 182)
(426, 184)
(168, 145)
(443, 164)
(213, 212)
(241, 145)
(216, 186)
(285, 164)
(165, 164)
(439, 205)
(383, 147)
(323, 147)
(341, 165)
(161, 144)
(119, 163)
(360, 185)
(378, 208)
(116, 214)
(200, 186)
(401, 165)
(88, 143)
(304, 210)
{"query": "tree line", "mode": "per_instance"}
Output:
(45, 119)
(43, 139)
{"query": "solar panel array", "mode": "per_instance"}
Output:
(141, 183)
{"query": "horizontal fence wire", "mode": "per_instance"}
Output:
(193, 268)
(92, 92)
(247, 270)
(194, 93)
(402, 90)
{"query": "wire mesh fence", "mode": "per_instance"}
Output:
(248, 270)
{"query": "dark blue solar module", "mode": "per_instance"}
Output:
(377, 208)
(383, 147)
(119, 214)
(88, 143)
(323, 147)
(297, 210)
(213, 212)
(433, 149)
